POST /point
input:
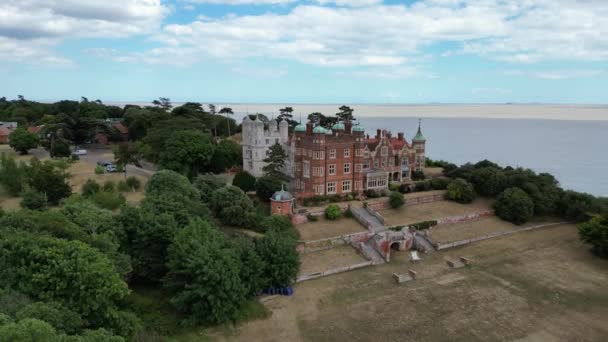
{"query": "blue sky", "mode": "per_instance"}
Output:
(316, 51)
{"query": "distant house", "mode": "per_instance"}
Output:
(122, 133)
(6, 128)
(4, 133)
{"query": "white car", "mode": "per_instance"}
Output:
(80, 152)
(111, 168)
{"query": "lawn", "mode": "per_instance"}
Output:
(432, 211)
(541, 285)
(331, 258)
(324, 228)
(471, 229)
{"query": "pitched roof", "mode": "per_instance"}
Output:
(4, 131)
(35, 129)
(121, 128)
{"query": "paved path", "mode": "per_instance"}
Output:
(367, 217)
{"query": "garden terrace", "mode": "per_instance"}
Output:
(472, 229)
(324, 228)
(324, 260)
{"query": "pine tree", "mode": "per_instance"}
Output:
(275, 162)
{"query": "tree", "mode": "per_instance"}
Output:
(252, 266)
(333, 212)
(89, 188)
(22, 141)
(187, 152)
(461, 191)
(396, 199)
(275, 162)
(577, 206)
(266, 186)
(244, 180)
(488, 181)
(76, 127)
(204, 275)
(47, 179)
(12, 176)
(152, 236)
(346, 113)
(514, 205)
(228, 111)
(60, 148)
(68, 272)
(127, 153)
(33, 200)
(206, 184)
(280, 258)
(58, 316)
(164, 103)
(280, 224)
(27, 330)
(227, 154)
(230, 205)
(285, 113)
(167, 181)
(595, 233)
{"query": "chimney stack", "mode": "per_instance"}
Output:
(400, 136)
(309, 128)
(378, 133)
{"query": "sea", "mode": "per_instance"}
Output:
(568, 141)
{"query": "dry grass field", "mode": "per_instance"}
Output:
(541, 285)
(471, 229)
(324, 260)
(324, 228)
(432, 211)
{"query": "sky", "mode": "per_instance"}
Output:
(312, 51)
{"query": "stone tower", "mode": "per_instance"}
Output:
(257, 140)
(419, 145)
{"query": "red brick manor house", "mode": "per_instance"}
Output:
(344, 159)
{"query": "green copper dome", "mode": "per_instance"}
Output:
(358, 128)
(338, 126)
(319, 129)
(419, 137)
(300, 128)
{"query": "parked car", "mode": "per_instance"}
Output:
(80, 152)
(111, 168)
(104, 163)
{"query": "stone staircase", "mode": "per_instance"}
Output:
(367, 219)
(371, 253)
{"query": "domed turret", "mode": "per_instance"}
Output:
(319, 130)
(338, 126)
(300, 128)
(419, 137)
(358, 128)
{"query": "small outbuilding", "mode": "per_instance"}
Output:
(282, 203)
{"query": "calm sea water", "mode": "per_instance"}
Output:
(573, 151)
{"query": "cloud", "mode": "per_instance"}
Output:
(557, 74)
(349, 3)
(30, 22)
(241, 2)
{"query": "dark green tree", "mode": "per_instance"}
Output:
(230, 205)
(345, 113)
(47, 179)
(280, 258)
(127, 153)
(204, 275)
(59, 148)
(266, 186)
(61, 318)
(244, 180)
(488, 181)
(29, 329)
(167, 181)
(514, 205)
(12, 175)
(252, 266)
(595, 233)
(22, 141)
(187, 152)
(275, 162)
(461, 191)
(227, 154)
(280, 224)
(285, 113)
(396, 199)
(207, 184)
(33, 200)
(164, 103)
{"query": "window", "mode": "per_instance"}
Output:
(250, 165)
(346, 152)
(366, 164)
(346, 186)
(318, 155)
(383, 162)
(298, 166)
(384, 151)
(358, 167)
(306, 172)
(318, 189)
(317, 171)
(332, 169)
(366, 154)
(331, 187)
(376, 182)
(249, 154)
(358, 152)
(376, 163)
(267, 141)
(332, 154)
(346, 168)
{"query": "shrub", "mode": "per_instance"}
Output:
(34, 200)
(61, 318)
(372, 193)
(418, 175)
(281, 225)
(74, 157)
(45, 178)
(133, 183)
(439, 183)
(90, 187)
(595, 233)
(394, 186)
(396, 199)
(405, 188)
(514, 205)
(108, 200)
(22, 141)
(207, 184)
(333, 212)
(461, 191)
(348, 213)
(280, 258)
(122, 186)
(244, 180)
(312, 218)
(266, 186)
(99, 170)
(108, 186)
(422, 186)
